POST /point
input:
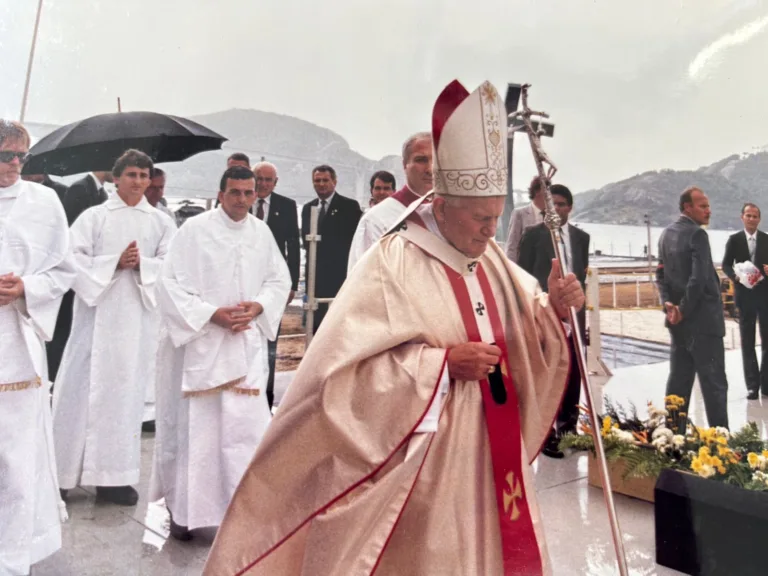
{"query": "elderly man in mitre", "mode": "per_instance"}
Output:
(98, 398)
(403, 444)
(222, 293)
(36, 270)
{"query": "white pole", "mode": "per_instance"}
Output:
(29, 64)
(637, 290)
(311, 304)
(614, 292)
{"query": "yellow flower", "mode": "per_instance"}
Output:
(723, 451)
(606, 425)
(721, 469)
(703, 452)
(696, 465)
(722, 440)
(765, 453)
(752, 459)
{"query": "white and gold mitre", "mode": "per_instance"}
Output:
(469, 132)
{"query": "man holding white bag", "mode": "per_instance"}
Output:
(746, 264)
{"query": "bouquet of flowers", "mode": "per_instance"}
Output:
(747, 273)
(665, 439)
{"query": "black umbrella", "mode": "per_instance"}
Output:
(95, 143)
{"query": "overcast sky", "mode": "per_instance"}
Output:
(631, 85)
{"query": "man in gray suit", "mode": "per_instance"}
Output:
(690, 289)
(524, 218)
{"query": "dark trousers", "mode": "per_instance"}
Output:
(54, 350)
(568, 417)
(272, 350)
(702, 355)
(322, 309)
(752, 307)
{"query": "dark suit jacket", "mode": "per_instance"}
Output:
(82, 195)
(537, 252)
(283, 220)
(58, 187)
(336, 230)
(737, 250)
(687, 277)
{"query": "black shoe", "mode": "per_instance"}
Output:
(120, 495)
(752, 395)
(148, 426)
(181, 533)
(63, 494)
(551, 448)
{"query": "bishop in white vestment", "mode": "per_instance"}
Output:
(35, 271)
(417, 163)
(98, 398)
(222, 293)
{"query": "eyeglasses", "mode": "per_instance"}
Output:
(6, 156)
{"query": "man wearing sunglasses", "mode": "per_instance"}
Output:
(36, 269)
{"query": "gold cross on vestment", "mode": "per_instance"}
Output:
(512, 492)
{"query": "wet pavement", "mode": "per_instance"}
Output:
(106, 540)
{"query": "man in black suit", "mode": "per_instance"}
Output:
(690, 289)
(81, 195)
(280, 214)
(535, 257)
(751, 244)
(45, 180)
(337, 221)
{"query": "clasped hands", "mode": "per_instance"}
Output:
(11, 288)
(237, 318)
(130, 258)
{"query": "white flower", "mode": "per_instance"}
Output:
(707, 471)
(723, 432)
(622, 436)
(663, 432)
(678, 441)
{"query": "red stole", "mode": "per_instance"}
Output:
(520, 550)
(405, 196)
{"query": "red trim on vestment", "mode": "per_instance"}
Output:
(356, 484)
(519, 547)
(407, 498)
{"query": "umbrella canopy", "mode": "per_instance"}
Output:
(94, 144)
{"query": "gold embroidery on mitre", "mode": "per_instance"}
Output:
(230, 386)
(512, 492)
(16, 386)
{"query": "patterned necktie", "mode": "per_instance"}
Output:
(752, 248)
(260, 209)
(321, 216)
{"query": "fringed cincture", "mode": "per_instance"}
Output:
(229, 386)
(15, 386)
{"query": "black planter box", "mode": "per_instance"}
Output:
(707, 528)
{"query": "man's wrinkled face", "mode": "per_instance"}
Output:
(751, 219)
(238, 197)
(266, 180)
(381, 191)
(324, 184)
(698, 210)
(155, 190)
(133, 182)
(12, 155)
(468, 223)
(418, 167)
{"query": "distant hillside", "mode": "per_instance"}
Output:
(293, 145)
(728, 183)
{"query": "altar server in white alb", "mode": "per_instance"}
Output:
(223, 291)
(35, 271)
(98, 399)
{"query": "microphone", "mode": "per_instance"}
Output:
(496, 381)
